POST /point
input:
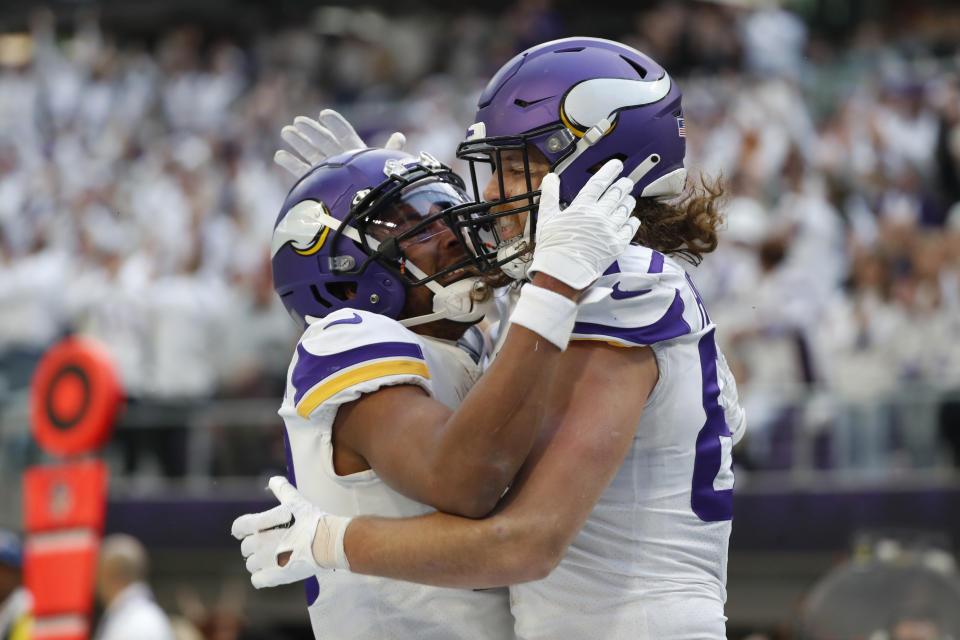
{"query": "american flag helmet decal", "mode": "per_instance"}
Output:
(680, 128)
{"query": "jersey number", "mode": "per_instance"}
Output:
(712, 494)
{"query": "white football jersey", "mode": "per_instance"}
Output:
(340, 357)
(651, 561)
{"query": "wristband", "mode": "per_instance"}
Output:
(546, 313)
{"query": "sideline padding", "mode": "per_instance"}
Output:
(64, 511)
(74, 397)
(65, 496)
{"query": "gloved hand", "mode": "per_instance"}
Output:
(312, 538)
(577, 245)
(313, 141)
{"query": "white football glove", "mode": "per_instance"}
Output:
(313, 141)
(577, 245)
(312, 537)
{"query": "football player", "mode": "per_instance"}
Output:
(617, 525)
(365, 253)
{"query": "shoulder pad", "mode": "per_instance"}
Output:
(645, 305)
(354, 350)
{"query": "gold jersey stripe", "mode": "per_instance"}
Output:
(355, 376)
(609, 342)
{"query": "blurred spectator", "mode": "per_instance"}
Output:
(15, 601)
(949, 417)
(856, 335)
(129, 608)
(774, 41)
(916, 624)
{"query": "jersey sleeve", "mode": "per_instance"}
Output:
(349, 353)
(649, 300)
(637, 312)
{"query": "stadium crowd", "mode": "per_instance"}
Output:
(137, 196)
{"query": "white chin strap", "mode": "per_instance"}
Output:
(452, 302)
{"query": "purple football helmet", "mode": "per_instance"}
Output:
(580, 102)
(340, 239)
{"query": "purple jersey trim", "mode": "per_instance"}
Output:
(311, 369)
(291, 474)
(656, 262)
(704, 316)
(709, 504)
(669, 326)
(613, 268)
(312, 587)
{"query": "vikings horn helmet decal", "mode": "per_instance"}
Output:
(302, 229)
(340, 239)
(590, 101)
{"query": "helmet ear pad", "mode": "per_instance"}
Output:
(307, 286)
(379, 291)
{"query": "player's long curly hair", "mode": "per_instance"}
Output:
(686, 227)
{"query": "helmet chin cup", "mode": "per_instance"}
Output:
(455, 302)
(451, 302)
(517, 268)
